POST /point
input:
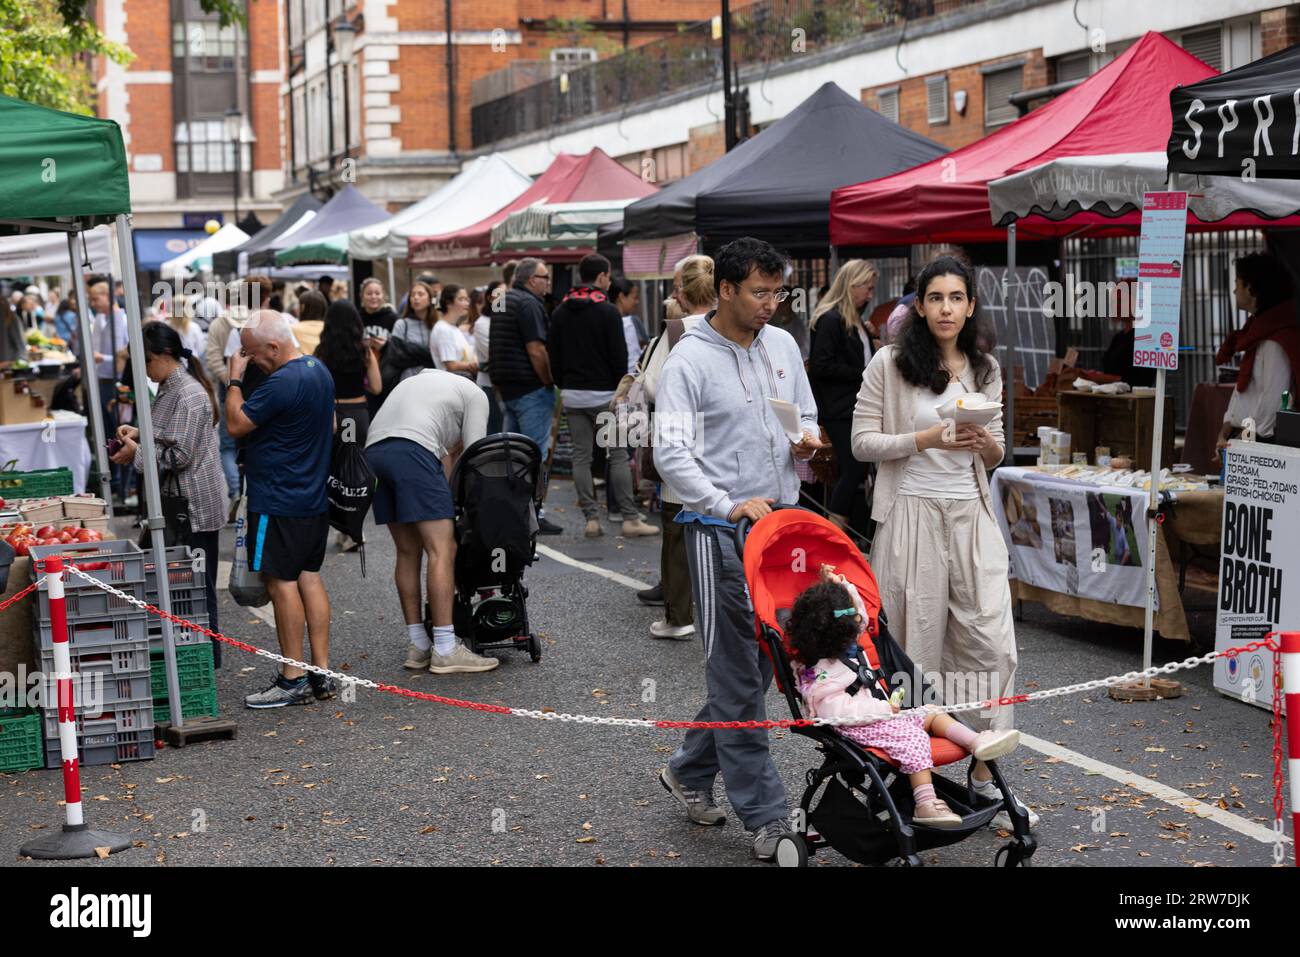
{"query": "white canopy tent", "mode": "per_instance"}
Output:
(199, 259)
(46, 254)
(481, 188)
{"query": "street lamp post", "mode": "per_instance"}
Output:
(345, 35)
(235, 133)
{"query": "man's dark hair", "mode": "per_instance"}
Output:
(428, 278)
(740, 257)
(95, 280)
(591, 266)
(1266, 278)
(814, 631)
(323, 284)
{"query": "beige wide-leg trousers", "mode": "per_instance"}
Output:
(942, 567)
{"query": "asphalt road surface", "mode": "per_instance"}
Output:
(388, 780)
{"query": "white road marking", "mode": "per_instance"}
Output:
(564, 559)
(1259, 832)
(265, 612)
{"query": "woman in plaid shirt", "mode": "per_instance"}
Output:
(185, 420)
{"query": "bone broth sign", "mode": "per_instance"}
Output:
(1258, 562)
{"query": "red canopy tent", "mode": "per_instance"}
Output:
(570, 179)
(1122, 108)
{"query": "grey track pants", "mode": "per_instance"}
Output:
(738, 675)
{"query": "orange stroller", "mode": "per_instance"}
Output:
(857, 801)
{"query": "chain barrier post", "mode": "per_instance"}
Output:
(1290, 681)
(77, 839)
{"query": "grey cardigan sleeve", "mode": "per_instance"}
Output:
(870, 441)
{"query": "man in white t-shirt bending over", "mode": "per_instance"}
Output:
(413, 443)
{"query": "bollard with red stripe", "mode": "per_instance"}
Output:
(1291, 686)
(76, 839)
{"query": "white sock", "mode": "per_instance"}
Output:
(418, 637)
(444, 639)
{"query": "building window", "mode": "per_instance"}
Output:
(299, 126)
(1205, 44)
(201, 147)
(887, 103)
(936, 99)
(1076, 66)
(570, 58)
(206, 46)
(295, 23)
(998, 89)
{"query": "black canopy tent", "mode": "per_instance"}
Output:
(1242, 123)
(227, 263)
(777, 185)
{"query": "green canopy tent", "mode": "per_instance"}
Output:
(60, 172)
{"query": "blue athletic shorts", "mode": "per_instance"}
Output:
(412, 486)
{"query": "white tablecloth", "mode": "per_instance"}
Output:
(57, 443)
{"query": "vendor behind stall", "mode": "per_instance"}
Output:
(1118, 358)
(1270, 343)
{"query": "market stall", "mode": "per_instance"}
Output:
(569, 179)
(92, 188)
(556, 232)
(199, 259)
(325, 239)
(775, 186)
(1077, 538)
(235, 261)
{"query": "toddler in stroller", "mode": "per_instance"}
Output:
(824, 625)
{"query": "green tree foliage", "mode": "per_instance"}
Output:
(46, 47)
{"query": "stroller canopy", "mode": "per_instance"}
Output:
(783, 554)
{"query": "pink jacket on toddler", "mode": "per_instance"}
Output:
(823, 689)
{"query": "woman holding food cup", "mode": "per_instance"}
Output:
(930, 413)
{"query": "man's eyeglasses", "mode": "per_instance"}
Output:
(762, 295)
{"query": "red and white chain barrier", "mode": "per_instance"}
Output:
(1286, 657)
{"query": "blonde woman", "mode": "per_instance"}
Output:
(838, 353)
(696, 295)
(192, 336)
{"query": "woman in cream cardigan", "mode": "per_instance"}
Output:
(938, 553)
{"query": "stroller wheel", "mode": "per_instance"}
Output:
(791, 851)
(1016, 856)
(534, 648)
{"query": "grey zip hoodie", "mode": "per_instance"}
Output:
(717, 438)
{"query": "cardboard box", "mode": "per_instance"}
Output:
(16, 622)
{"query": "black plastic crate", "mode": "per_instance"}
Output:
(129, 746)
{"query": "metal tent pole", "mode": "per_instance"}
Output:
(392, 283)
(1153, 503)
(1009, 290)
(90, 377)
(144, 419)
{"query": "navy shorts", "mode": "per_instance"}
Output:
(284, 547)
(412, 486)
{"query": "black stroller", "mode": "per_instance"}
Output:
(497, 490)
(865, 805)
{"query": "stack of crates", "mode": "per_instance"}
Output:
(194, 667)
(108, 642)
(20, 739)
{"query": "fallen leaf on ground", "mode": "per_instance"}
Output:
(102, 852)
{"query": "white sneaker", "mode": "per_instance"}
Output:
(460, 659)
(661, 629)
(416, 659)
(991, 745)
(989, 791)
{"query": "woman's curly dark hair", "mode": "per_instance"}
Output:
(813, 630)
(917, 354)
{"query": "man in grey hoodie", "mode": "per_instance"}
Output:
(718, 442)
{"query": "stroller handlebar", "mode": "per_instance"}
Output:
(744, 524)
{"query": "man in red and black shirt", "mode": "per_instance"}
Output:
(588, 354)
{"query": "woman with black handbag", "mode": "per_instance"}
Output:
(185, 420)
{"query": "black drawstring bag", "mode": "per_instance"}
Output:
(351, 489)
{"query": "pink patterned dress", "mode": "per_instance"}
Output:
(904, 738)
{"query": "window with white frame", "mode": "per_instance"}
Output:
(202, 147)
(206, 46)
(936, 99)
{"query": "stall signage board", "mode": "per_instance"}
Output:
(1160, 275)
(1259, 557)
